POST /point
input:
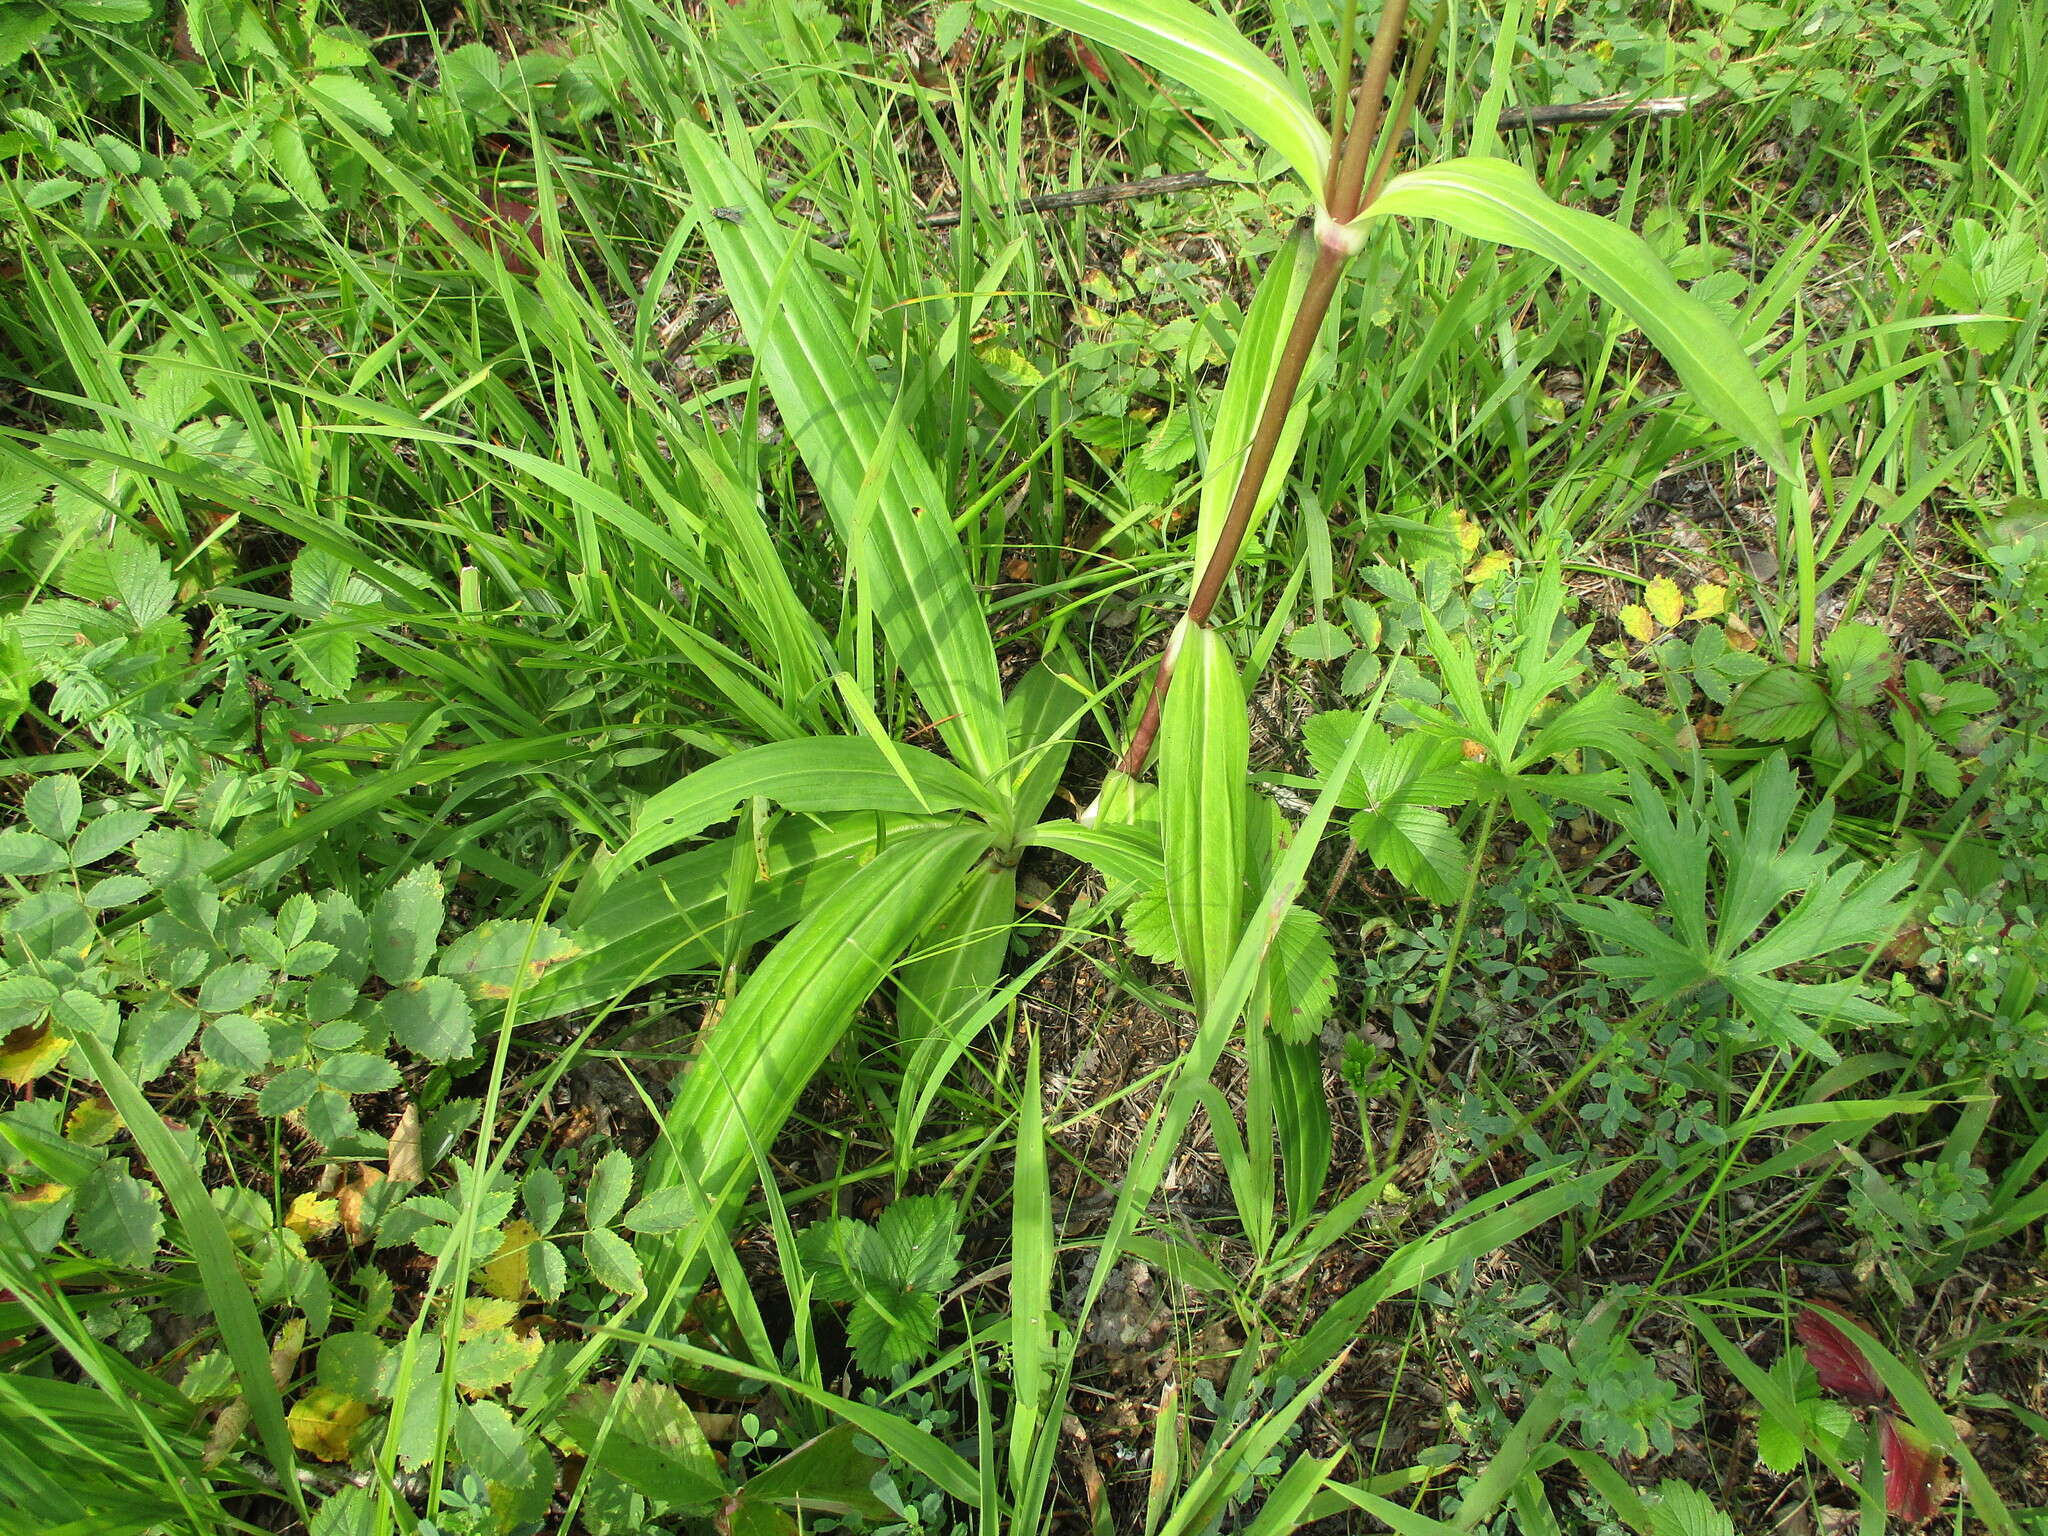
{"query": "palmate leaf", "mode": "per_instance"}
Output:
(1213, 59)
(1744, 898)
(1500, 202)
(885, 500)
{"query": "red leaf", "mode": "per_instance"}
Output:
(1087, 58)
(1837, 1360)
(1910, 1467)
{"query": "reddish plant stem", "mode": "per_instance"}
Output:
(1348, 197)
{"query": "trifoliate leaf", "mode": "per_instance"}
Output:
(890, 1332)
(921, 1237)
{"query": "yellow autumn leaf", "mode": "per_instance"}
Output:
(29, 1052)
(1709, 601)
(324, 1421)
(1665, 602)
(312, 1216)
(1488, 566)
(505, 1271)
(1637, 621)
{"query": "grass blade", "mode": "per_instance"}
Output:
(1212, 59)
(885, 499)
(1501, 202)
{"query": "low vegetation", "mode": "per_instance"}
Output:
(754, 796)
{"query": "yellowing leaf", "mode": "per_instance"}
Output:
(324, 1421)
(487, 1315)
(1709, 601)
(312, 1216)
(1488, 566)
(505, 1272)
(1665, 602)
(39, 1194)
(29, 1052)
(1467, 530)
(1637, 621)
(92, 1122)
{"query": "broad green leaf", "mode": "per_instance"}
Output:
(1259, 344)
(350, 98)
(120, 1218)
(1783, 704)
(849, 773)
(1044, 712)
(776, 1032)
(1212, 59)
(610, 1184)
(431, 1018)
(886, 501)
(405, 925)
(829, 1474)
(672, 917)
(52, 804)
(1497, 201)
(1204, 756)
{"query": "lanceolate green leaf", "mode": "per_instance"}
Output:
(884, 498)
(1204, 755)
(1501, 202)
(849, 773)
(937, 991)
(1259, 344)
(792, 1011)
(672, 917)
(1212, 59)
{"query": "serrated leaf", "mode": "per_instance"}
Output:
(496, 960)
(542, 1197)
(431, 1018)
(351, 99)
(23, 854)
(1302, 975)
(405, 925)
(52, 805)
(1784, 704)
(666, 1210)
(612, 1263)
(546, 1270)
(505, 1272)
(920, 1234)
(357, 1072)
(238, 1042)
(892, 1331)
(1665, 602)
(1709, 601)
(1637, 623)
(230, 987)
(120, 1218)
(26, 1053)
(610, 1183)
(108, 834)
(1417, 846)
(1321, 641)
(493, 1359)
